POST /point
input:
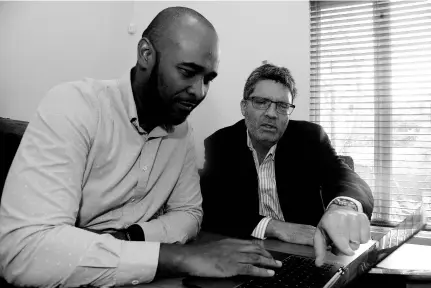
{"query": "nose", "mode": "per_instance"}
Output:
(271, 111)
(198, 89)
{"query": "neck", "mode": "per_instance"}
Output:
(262, 148)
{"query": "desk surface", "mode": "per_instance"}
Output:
(423, 238)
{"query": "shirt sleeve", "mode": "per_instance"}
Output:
(39, 243)
(183, 214)
(259, 231)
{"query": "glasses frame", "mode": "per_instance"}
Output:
(269, 102)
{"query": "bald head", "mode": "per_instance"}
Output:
(172, 19)
(178, 57)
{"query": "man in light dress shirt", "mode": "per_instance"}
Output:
(102, 160)
(279, 178)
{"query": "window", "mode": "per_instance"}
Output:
(371, 91)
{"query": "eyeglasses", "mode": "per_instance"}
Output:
(264, 103)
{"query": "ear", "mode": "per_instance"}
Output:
(290, 97)
(146, 54)
(243, 105)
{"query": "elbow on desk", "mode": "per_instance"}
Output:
(21, 264)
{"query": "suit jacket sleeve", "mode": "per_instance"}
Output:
(338, 179)
(226, 211)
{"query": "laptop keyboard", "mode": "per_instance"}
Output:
(297, 271)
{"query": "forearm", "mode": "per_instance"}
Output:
(352, 187)
(74, 257)
(363, 195)
(177, 226)
(339, 180)
(275, 227)
(290, 232)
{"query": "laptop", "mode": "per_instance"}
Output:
(338, 271)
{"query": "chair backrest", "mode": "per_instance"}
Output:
(11, 132)
(349, 161)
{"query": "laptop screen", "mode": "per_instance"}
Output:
(411, 225)
(393, 239)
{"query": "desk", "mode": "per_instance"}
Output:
(374, 279)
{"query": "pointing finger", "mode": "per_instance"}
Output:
(319, 247)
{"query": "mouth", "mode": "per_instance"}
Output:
(186, 105)
(269, 127)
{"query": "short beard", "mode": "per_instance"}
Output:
(253, 132)
(156, 111)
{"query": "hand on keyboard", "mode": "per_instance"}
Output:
(227, 258)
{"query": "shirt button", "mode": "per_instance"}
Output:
(144, 168)
(135, 282)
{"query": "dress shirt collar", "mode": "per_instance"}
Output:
(271, 152)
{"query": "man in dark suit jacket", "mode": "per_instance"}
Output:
(266, 176)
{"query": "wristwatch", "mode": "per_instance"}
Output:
(345, 202)
(134, 233)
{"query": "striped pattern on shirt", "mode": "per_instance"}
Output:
(269, 204)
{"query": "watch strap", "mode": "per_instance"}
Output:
(345, 202)
(135, 233)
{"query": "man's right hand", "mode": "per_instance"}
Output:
(223, 258)
(290, 232)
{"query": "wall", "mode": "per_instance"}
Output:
(44, 43)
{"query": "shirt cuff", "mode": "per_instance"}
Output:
(138, 263)
(259, 231)
(358, 204)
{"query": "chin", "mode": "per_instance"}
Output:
(177, 120)
(269, 137)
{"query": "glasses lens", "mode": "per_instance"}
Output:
(282, 108)
(263, 104)
(260, 103)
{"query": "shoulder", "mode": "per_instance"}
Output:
(73, 97)
(303, 133)
(304, 126)
(230, 132)
(304, 129)
(72, 104)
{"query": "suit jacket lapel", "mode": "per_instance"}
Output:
(283, 155)
(247, 175)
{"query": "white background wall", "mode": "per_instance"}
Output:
(45, 43)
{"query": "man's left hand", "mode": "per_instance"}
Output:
(344, 227)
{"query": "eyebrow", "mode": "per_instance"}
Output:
(270, 99)
(199, 68)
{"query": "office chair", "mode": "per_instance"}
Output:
(348, 161)
(11, 132)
